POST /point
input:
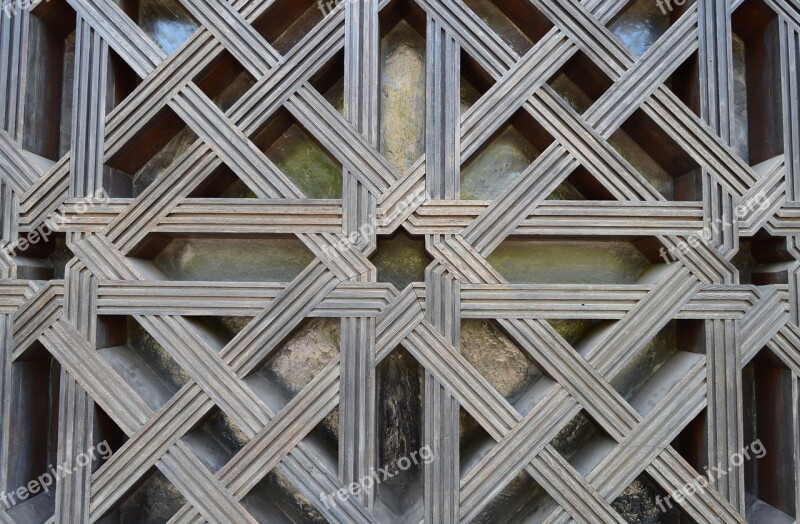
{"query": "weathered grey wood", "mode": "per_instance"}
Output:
(705, 283)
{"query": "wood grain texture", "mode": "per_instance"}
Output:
(730, 296)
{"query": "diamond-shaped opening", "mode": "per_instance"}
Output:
(519, 24)
(149, 154)
(152, 500)
(645, 501)
(296, 362)
(403, 84)
(215, 440)
(47, 108)
(222, 183)
(642, 22)
(759, 113)
(650, 376)
(324, 439)
(520, 500)
(329, 81)
(232, 258)
(275, 499)
(400, 381)
(581, 184)
(40, 258)
(401, 259)
(580, 82)
(655, 155)
(503, 157)
(224, 80)
(108, 436)
(122, 82)
(769, 390)
(299, 156)
(692, 442)
(165, 21)
(475, 81)
(583, 443)
(573, 260)
(322, 442)
(34, 406)
(685, 82)
(764, 260)
(505, 366)
(139, 360)
(474, 442)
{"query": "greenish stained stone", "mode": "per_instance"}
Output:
(402, 97)
(156, 356)
(156, 167)
(497, 166)
(166, 22)
(647, 362)
(638, 505)
(574, 436)
(497, 358)
(571, 93)
(306, 164)
(305, 354)
(401, 260)
(335, 96)
(300, 359)
(234, 260)
(469, 95)
(643, 163)
(154, 502)
(572, 330)
(569, 262)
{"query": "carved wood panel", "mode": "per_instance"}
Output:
(399, 260)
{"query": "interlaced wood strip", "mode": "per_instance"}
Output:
(700, 283)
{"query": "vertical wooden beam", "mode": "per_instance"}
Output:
(441, 426)
(361, 95)
(443, 291)
(357, 411)
(14, 32)
(76, 408)
(717, 110)
(6, 349)
(725, 406)
(443, 115)
(790, 80)
(89, 111)
(724, 381)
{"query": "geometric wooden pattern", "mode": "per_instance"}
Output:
(735, 377)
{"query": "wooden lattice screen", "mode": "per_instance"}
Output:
(609, 197)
